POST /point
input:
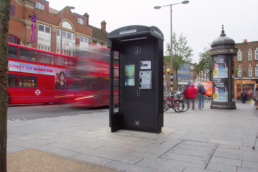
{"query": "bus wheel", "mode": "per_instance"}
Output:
(9, 99)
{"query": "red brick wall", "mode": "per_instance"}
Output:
(244, 47)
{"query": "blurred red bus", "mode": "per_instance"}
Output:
(90, 78)
(36, 76)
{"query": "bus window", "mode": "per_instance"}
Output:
(12, 80)
(66, 61)
(28, 81)
(59, 61)
(46, 58)
(28, 55)
(71, 62)
(13, 52)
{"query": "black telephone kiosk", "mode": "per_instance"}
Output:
(136, 79)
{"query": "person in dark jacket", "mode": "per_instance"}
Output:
(243, 97)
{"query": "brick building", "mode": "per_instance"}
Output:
(76, 28)
(246, 67)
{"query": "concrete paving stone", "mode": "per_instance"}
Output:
(221, 167)
(197, 148)
(42, 141)
(226, 155)
(92, 159)
(14, 148)
(229, 150)
(248, 164)
(143, 155)
(226, 142)
(249, 156)
(193, 169)
(62, 152)
(246, 148)
(157, 151)
(62, 145)
(128, 167)
(248, 144)
(186, 142)
(243, 169)
(121, 157)
(226, 161)
(26, 137)
(185, 158)
(229, 146)
(190, 152)
(157, 141)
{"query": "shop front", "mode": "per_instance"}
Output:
(247, 86)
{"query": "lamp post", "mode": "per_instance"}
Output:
(71, 8)
(171, 41)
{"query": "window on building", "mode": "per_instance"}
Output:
(239, 72)
(12, 80)
(13, 39)
(249, 55)
(28, 81)
(46, 58)
(192, 67)
(256, 54)
(41, 28)
(256, 71)
(12, 10)
(250, 72)
(40, 6)
(98, 44)
(69, 35)
(80, 20)
(84, 40)
(47, 29)
(239, 56)
(29, 55)
(13, 52)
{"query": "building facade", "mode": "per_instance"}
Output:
(76, 30)
(246, 68)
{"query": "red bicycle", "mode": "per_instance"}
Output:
(175, 104)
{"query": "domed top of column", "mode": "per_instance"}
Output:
(223, 39)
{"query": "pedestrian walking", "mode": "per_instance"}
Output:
(243, 97)
(192, 94)
(185, 93)
(200, 96)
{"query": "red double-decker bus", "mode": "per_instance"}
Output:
(37, 76)
(90, 78)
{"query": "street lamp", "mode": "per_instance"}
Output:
(158, 7)
(71, 8)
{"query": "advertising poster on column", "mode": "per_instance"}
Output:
(220, 93)
(220, 78)
(220, 67)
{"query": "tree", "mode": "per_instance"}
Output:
(182, 54)
(205, 63)
(4, 27)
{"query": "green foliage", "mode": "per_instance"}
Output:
(182, 52)
(236, 72)
(205, 62)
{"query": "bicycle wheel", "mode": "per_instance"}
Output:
(176, 106)
(165, 106)
(180, 106)
(186, 106)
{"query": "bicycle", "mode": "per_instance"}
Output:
(170, 102)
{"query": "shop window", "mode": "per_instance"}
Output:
(47, 29)
(250, 72)
(59, 61)
(12, 10)
(12, 80)
(249, 55)
(13, 52)
(46, 58)
(69, 35)
(28, 81)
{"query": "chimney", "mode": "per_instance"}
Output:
(86, 15)
(245, 41)
(103, 25)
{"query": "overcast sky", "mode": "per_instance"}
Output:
(200, 20)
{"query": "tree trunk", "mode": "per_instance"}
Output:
(4, 27)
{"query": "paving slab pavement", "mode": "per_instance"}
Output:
(201, 140)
